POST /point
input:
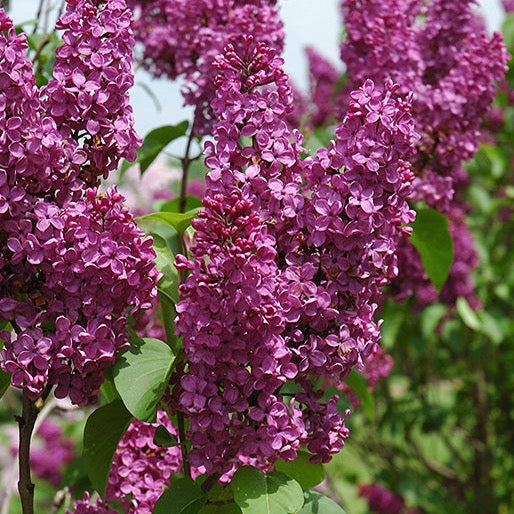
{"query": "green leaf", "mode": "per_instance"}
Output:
(163, 438)
(5, 382)
(168, 315)
(141, 375)
(302, 470)
(430, 318)
(177, 220)
(103, 431)
(360, 387)
(316, 503)
(393, 315)
(155, 142)
(467, 314)
(183, 497)
(192, 202)
(226, 508)
(433, 241)
(272, 493)
(108, 388)
(164, 260)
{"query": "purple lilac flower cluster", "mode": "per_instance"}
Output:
(440, 52)
(182, 38)
(88, 96)
(508, 5)
(48, 459)
(140, 470)
(384, 501)
(73, 263)
(86, 268)
(288, 256)
(322, 104)
(85, 506)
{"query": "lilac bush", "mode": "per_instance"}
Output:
(219, 348)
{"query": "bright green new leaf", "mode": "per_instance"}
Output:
(433, 241)
(316, 503)
(192, 202)
(360, 387)
(272, 493)
(302, 470)
(467, 314)
(177, 220)
(141, 375)
(103, 431)
(183, 497)
(164, 260)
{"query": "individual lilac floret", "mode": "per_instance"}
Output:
(90, 270)
(182, 38)
(88, 96)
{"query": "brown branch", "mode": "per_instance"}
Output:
(26, 425)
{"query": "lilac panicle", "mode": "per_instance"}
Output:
(87, 269)
(181, 38)
(73, 263)
(286, 258)
(452, 66)
(140, 471)
(88, 95)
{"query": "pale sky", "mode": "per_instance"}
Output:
(308, 22)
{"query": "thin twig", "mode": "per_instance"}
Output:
(38, 16)
(39, 49)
